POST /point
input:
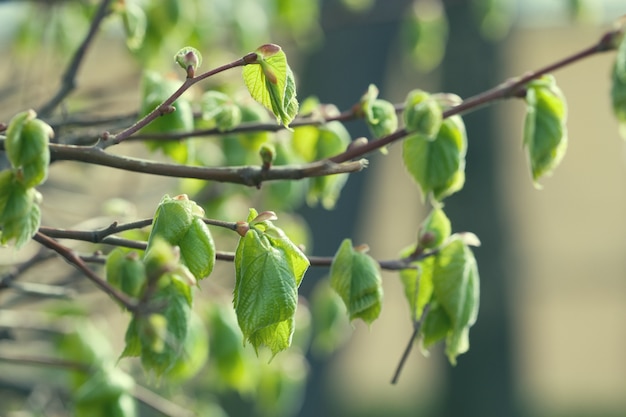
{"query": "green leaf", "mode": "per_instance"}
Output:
(107, 384)
(27, 148)
(456, 289)
(417, 283)
(437, 163)
(195, 351)
(178, 221)
(355, 276)
(135, 24)
(435, 229)
(618, 87)
(19, 210)
(424, 34)
(270, 81)
(155, 90)
(332, 139)
(494, 17)
(221, 110)
(545, 132)
(380, 115)
(160, 338)
(269, 269)
(331, 328)
(126, 271)
(228, 356)
(422, 113)
(435, 327)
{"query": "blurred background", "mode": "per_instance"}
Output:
(551, 334)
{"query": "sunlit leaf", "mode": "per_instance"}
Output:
(545, 131)
(270, 81)
(437, 163)
(355, 276)
(269, 268)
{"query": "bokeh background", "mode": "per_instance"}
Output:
(551, 334)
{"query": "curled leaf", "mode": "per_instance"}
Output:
(437, 163)
(545, 132)
(269, 269)
(270, 81)
(355, 276)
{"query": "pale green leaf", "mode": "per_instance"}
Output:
(355, 276)
(545, 131)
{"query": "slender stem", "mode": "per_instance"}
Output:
(75, 260)
(508, 89)
(166, 106)
(68, 81)
(417, 325)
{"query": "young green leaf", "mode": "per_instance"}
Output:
(126, 271)
(437, 163)
(332, 138)
(270, 81)
(331, 327)
(155, 90)
(618, 87)
(195, 351)
(422, 113)
(135, 24)
(435, 326)
(269, 269)
(19, 210)
(355, 276)
(545, 132)
(424, 34)
(159, 338)
(435, 229)
(380, 115)
(456, 289)
(417, 283)
(221, 110)
(178, 221)
(27, 148)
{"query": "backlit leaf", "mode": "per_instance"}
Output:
(355, 276)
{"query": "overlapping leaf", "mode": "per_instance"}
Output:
(269, 269)
(355, 276)
(545, 132)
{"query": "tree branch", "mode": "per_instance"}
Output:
(417, 325)
(514, 87)
(68, 81)
(77, 262)
(245, 175)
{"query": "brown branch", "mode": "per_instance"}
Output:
(166, 106)
(77, 262)
(68, 81)
(245, 175)
(417, 325)
(511, 88)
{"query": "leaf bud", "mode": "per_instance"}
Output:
(189, 59)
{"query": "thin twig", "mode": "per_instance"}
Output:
(417, 325)
(68, 81)
(246, 175)
(76, 261)
(511, 88)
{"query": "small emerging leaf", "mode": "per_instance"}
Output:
(270, 81)
(545, 132)
(355, 276)
(422, 113)
(437, 163)
(435, 229)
